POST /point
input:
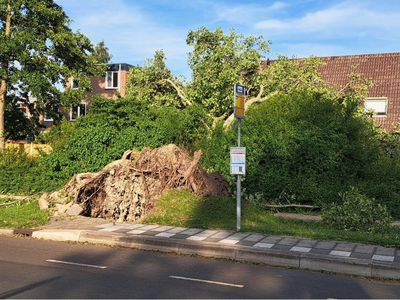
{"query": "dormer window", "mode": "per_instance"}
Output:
(112, 80)
(377, 105)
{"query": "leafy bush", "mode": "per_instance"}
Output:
(357, 212)
(307, 145)
(114, 126)
(22, 174)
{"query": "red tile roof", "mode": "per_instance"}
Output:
(384, 69)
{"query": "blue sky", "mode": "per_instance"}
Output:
(134, 29)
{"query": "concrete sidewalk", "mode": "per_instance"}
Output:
(286, 251)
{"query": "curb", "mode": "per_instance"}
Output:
(6, 231)
(271, 257)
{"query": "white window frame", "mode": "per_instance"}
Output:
(78, 113)
(47, 119)
(112, 86)
(72, 84)
(377, 104)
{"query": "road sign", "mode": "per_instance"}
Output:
(238, 161)
(240, 92)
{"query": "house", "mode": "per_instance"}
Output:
(111, 85)
(384, 69)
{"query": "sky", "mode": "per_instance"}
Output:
(134, 29)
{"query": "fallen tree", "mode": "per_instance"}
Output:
(127, 189)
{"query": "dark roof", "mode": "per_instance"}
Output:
(116, 67)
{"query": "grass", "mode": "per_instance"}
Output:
(181, 208)
(22, 214)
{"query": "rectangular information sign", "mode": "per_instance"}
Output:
(238, 160)
(240, 92)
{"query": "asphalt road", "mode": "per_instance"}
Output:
(42, 269)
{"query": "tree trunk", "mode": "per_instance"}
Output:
(4, 78)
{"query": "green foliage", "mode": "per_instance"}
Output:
(38, 51)
(218, 61)
(358, 212)
(114, 126)
(22, 174)
(17, 126)
(101, 53)
(152, 83)
(302, 148)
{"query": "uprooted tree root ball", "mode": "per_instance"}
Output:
(127, 189)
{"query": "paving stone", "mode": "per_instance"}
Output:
(300, 249)
(222, 234)
(246, 243)
(306, 243)
(325, 245)
(202, 235)
(163, 228)
(151, 232)
(272, 239)
(136, 231)
(234, 239)
(361, 255)
(165, 234)
(149, 227)
(345, 247)
(177, 230)
(320, 251)
(385, 251)
(282, 247)
(366, 249)
(340, 253)
(264, 245)
(255, 237)
(288, 241)
(383, 258)
(191, 231)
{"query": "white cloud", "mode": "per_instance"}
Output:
(345, 19)
(131, 34)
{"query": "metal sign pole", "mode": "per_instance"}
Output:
(238, 188)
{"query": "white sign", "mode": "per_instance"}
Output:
(238, 161)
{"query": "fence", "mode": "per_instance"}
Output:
(29, 148)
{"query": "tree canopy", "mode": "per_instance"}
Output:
(38, 54)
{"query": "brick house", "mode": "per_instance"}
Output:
(384, 69)
(112, 84)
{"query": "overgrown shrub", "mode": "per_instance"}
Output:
(114, 126)
(22, 174)
(357, 212)
(306, 145)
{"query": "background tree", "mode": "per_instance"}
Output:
(101, 53)
(38, 51)
(218, 61)
(155, 84)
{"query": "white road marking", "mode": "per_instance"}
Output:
(75, 264)
(208, 281)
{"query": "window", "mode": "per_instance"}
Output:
(378, 105)
(74, 84)
(47, 113)
(77, 111)
(112, 80)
